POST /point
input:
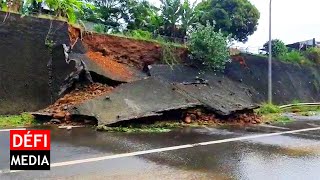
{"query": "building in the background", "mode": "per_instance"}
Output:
(303, 45)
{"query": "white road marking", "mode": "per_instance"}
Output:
(81, 161)
(6, 130)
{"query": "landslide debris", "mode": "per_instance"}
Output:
(144, 98)
(187, 118)
(137, 96)
(59, 110)
(110, 66)
(208, 118)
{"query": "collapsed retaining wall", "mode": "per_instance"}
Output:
(27, 84)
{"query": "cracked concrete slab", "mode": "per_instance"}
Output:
(143, 98)
(215, 91)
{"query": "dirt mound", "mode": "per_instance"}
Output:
(110, 66)
(135, 53)
(59, 110)
(202, 117)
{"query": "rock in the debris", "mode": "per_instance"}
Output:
(187, 119)
(193, 117)
(67, 116)
(59, 115)
(55, 121)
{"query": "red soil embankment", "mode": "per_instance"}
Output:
(134, 53)
(110, 66)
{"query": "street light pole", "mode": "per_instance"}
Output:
(270, 60)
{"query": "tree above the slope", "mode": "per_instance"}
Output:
(238, 18)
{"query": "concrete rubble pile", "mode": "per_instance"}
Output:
(166, 89)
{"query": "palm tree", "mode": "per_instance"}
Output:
(171, 14)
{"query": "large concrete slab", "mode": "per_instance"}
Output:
(218, 99)
(215, 91)
(143, 98)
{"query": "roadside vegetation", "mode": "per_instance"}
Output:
(279, 51)
(172, 24)
(274, 113)
(303, 110)
(209, 47)
(23, 119)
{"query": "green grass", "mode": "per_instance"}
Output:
(16, 120)
(295, 57)
(304, 110)
(276, 117)
(157, 40)
(267, 108)
(272, 113)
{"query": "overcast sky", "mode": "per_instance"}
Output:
(293, 20)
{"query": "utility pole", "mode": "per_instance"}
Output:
(270, 59)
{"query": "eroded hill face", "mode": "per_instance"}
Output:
(133, 53)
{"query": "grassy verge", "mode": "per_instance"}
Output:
(272, 113)
(158, 40)
(304, 110)
(276, 117)
(16, 120)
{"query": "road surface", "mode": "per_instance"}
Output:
(290, 151)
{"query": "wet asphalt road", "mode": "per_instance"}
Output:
(289, 156)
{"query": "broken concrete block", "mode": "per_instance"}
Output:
(216, 92)
(143, 98)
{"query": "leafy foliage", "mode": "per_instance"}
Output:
(64, 8)
(238, 18)
(189, 15)
(100, 28)
(3, 5)
(171, 14)
(209, 47)
(169, 55)
(278, 48)
(174, 18)
(109, 13)
(293, 57)
(143, 16)
(140, 34)
(313, 54)
(267, 108)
